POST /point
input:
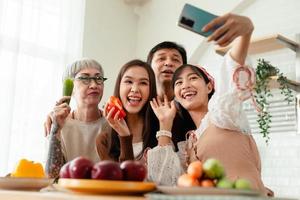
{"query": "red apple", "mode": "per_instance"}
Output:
(65, 171)
(80, 168)
(133, 170)
(107, 170)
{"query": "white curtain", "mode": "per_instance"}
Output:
(38, 38)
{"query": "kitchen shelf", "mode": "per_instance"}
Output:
(266, 44)
(292, 84)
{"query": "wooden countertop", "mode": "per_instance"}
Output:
(57, 195)
(35, 195)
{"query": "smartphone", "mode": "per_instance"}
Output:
(194, 19)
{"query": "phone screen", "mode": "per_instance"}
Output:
(194, 19)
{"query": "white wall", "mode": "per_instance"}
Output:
(157, 22)
(281, 158)
(109, 37)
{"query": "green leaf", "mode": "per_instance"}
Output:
(263, 71)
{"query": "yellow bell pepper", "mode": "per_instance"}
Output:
(28, 169)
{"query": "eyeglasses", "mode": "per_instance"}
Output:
(87, 79)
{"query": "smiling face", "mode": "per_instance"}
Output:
(191, 91)
(88, 94)
(164, 63)
(134, 89)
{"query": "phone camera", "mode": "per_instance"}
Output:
(187, 22)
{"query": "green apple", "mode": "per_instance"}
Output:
(213, 169)
(242, 184)
(225, 183)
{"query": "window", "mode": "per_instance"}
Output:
(37, 40)
(283, 115)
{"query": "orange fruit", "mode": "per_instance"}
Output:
(186, 180)
(207, 183)
(195, 169)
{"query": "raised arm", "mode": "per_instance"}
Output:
(243, 28)
(164, 164)
(48, 122)
(122, 129)
(165, 112)
(235, 28)
(226, 106)
(55, 157)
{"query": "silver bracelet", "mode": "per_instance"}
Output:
(163, 133)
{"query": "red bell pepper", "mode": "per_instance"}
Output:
(116, 103)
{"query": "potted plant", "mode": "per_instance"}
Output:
(264, 72)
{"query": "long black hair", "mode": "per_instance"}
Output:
(183, 121)
(150, 121)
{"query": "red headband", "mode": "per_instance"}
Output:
(210, 78)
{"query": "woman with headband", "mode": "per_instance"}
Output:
(222, 130)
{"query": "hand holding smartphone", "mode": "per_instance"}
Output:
(194, 19)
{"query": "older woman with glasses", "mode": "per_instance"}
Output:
(73, 133)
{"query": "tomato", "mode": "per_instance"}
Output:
(116, 103)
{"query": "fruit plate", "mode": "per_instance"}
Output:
(206, 191)
(24, 183)
(105, 186)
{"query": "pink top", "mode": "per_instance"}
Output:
(236, 151)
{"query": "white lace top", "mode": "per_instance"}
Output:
(225, 111)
